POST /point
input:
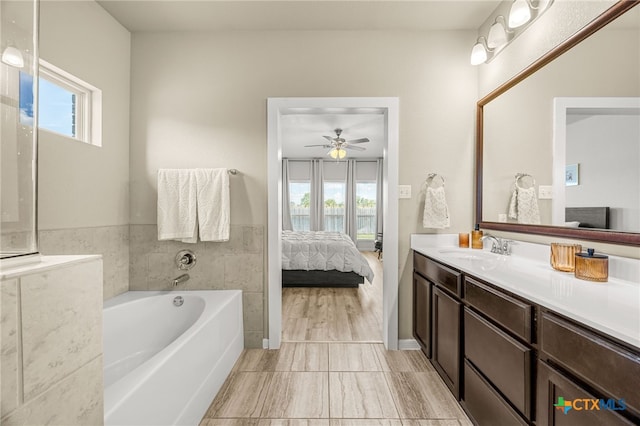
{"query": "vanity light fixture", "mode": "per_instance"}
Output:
(13, 56)
(498, 34)
(519, 14)
(479, 52)
(503, 31)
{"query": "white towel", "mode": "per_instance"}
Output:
(177, 205)
(213, 204)
(524, 206)
(436, 212)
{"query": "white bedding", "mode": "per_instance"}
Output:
(324, 251)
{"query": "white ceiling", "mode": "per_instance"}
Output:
(300, 129)
(215, 15)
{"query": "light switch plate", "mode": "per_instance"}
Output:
(404, 191)
(545, 192)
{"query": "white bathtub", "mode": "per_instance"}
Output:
(164, 364)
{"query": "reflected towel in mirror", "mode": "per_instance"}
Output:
(524, 206)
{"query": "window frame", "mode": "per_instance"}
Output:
(88, 105)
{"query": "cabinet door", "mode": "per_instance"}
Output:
(555, 389)
(422, 313)
(446, 317)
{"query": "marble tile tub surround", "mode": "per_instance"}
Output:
(51, 348)
(235, 264)
(112, 242)
(612, 307)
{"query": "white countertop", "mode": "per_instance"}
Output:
(612, 307)
(42, 264)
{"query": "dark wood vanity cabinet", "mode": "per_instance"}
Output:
(509, 361)
(422, 312)
(578, 363)
(498, 356)
(437, 317)
(446, 329)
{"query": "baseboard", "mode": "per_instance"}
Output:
(265, 343)
(408, 345)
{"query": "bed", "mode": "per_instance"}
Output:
(322, 259)
(588, 217)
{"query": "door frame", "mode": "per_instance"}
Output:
(276, 107)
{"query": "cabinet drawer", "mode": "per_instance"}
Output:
(609, 367)
(484, 404)
(511, 313)
(501, 358)
(552, 385)
(439, 274)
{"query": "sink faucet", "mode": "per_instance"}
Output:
(499, 245)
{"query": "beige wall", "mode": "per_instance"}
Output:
(83, 190)
(199, 100)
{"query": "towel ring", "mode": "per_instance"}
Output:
(520, 181)
(430, 180)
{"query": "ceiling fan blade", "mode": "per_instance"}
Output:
(329, 138)
(322, 145)
(361, 140)
(356, 148)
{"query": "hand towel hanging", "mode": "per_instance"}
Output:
(436, 211)
(177, 217)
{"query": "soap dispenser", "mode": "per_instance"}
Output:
(476, 238)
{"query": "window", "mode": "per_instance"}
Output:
(300, 205)
(334, 211)
(67, 105)
(366, 210)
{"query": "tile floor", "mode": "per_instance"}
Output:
(333, 384)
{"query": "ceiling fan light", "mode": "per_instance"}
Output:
(519, 14)
(337, 153)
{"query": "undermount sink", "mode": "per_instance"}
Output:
(469, 254)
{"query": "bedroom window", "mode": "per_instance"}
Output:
(299, 204)
(366, 210)
(334, 195)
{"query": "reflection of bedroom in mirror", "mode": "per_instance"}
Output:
(331, 218)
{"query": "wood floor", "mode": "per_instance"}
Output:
(332, 370)
(335, 314)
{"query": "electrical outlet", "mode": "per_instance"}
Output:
(545, 192)
(404, 191)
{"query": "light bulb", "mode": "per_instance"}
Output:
(497, 36)
(519, 14)
(478, 54)
(12, 56)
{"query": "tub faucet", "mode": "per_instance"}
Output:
(182, 278)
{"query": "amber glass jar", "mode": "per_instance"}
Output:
(563, 256)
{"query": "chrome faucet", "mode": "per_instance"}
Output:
(499, 245)
(182, 278)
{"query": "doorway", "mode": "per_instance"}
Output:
(276, 108)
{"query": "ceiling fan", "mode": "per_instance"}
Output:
(338, 145)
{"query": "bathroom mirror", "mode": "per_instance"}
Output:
(517, 133)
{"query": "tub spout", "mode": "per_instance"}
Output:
(182, 278)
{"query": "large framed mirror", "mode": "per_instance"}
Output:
(558, 145)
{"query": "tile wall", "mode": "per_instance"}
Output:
(112, 242)
(236, 264)
(51, 347)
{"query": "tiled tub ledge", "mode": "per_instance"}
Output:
(612, 307)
